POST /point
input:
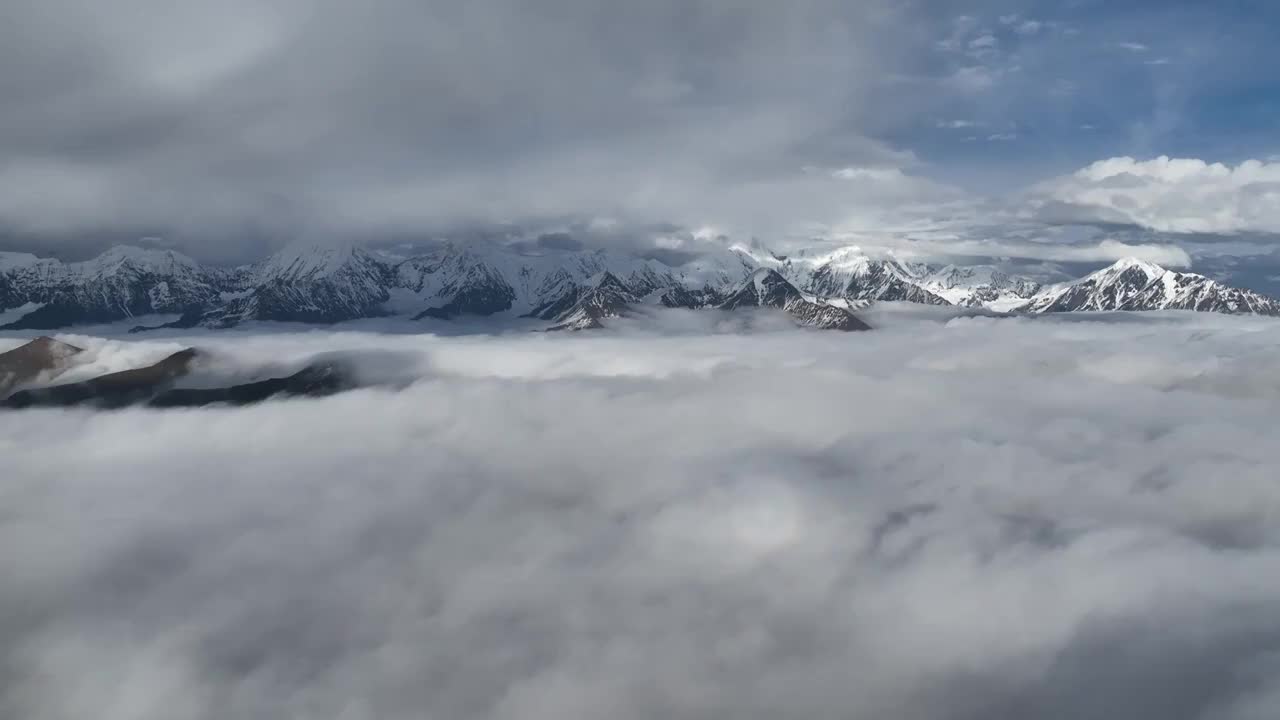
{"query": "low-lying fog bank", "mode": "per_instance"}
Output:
(949, 517)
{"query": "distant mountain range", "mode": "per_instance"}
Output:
(568, 289)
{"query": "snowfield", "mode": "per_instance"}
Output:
(685, 516)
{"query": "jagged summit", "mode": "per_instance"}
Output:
(604, 296)
(767, 288)
(1148, 268)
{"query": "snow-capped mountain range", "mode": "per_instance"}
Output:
(569, 289)
(121, 283)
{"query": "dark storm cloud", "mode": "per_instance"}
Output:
(258, 119)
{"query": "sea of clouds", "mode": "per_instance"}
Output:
(947, 518)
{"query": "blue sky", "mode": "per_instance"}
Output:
(1062, 84)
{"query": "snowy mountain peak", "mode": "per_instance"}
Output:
(1149, 269)
(140, 259)
(604, 297)
(1133, 285)
(765, 287)
(849, 274)
(306, 260)
(850, 258)
(605, 279)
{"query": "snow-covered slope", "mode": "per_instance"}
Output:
(985, 286)
(1189, 291)
(1136, 285)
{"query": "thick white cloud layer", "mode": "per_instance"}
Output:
(1169, 195)
(231, 120)
(1062, 518)
(228, 129)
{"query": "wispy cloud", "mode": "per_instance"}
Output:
(974, 78)
(1064, 88)
(1030, 27)
(1023, 26)
(984, 41)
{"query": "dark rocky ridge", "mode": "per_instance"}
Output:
(128, 387)
(605, 298)
(471, 300)
(26, 363)
(155, 386)
(318, 380)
